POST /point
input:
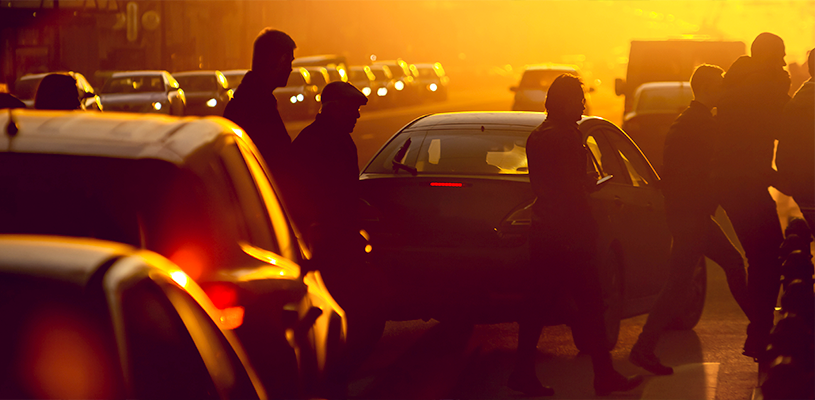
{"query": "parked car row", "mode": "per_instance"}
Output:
(204, 250)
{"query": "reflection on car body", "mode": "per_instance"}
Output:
(655, 107)
(447, 204)
(86, 318)
(194, 190)
(151, 91)
(207, 92)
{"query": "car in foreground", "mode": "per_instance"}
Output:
(25, 89)
(87, 319)
(447, 203)
(148, 91)
(530, 93)
(207, 92)
(299, 98)
(432, 80)
(655, 107)
(234, 77)
(196, 191)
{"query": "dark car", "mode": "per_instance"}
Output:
(150, 91)
(299, 99)
(207, 92)
(90, 319)
(432, 80)
(447, 203)
(655, 107)
(363, 78)
(25, 89)
(194, 190)
(384, 86)
(407, 91)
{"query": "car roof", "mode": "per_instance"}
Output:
(661, 85)
(111, 134)
(520, 119)
(150, 72)
(72, 260)
(191, 73)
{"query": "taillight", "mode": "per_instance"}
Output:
(223, 295)
(447, 184)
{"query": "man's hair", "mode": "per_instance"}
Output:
(270, 45)
(561, 89)
(766, 45)
(704, 75)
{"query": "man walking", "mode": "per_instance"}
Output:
(689, 207)
(563, 241)
(754, 94)
(254, 107)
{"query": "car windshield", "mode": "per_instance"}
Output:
(296, 79)
(459, 152)
(145, 203)
(26, 88)
(198, 83)
(234, 79)
(540, 78)
(134, 84)
(664, 99)
(380, 74)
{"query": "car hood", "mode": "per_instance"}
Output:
(131, 98)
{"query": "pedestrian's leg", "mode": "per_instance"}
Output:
(721, 250)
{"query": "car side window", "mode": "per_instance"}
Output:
(638, 169)
(164, 360)
(605, 155)
(280, 224)
(254, 213)
(383, 163)
(224, 365)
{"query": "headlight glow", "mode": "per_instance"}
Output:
(432, 87)
(300, 97)
(317, 97)
(157, 105)
(382, 92)
(366, 91)
(293, 99)
(212, 103)
(399, 85)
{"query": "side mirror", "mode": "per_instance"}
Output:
(619, 86)
(513, 88)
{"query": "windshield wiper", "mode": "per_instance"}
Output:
(401, 155)
(397, 165)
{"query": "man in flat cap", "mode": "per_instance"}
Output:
(326, 210)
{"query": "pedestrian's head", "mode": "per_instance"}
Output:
(57, 92)
(811, 63)
(768, 49)
(565, 98)
(272, 55)
(341, 102)
(706, 84)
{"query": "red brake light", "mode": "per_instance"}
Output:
(446, 184)
(223, 295)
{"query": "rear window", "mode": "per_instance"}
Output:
(198, 83)
(664, 99)
(26, 88)
(458, 152)
(541, 78)
(134, 84)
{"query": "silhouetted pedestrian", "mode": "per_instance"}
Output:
(325, 204)
(754, 94)
(689, 206)
(795, 156)
(563, 241)
(57, 92)
(7, 100)
(254, 107)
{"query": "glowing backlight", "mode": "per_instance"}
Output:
(446, 184)
(180, 278)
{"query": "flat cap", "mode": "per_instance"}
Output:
(343, 92)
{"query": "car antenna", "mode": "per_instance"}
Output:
(11, 128)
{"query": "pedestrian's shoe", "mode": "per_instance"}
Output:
(649, 362)
(615, 382)
(529, 385)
